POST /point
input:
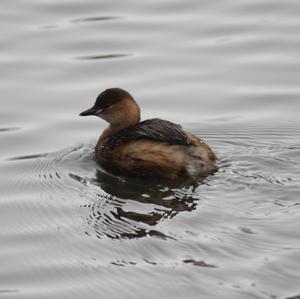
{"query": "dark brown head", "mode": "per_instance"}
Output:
(116, 106)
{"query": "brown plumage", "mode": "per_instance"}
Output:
(152, 148)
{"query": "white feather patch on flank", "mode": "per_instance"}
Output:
(194, 161)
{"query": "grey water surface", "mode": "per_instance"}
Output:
(228, 71)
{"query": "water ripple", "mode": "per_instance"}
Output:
(196, 222)
(9, 291)
(95, 19)
(105, 56)
(9, 129)
(113, 206)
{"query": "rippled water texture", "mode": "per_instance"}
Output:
(229, 71)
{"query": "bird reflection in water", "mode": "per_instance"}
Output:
(126, 208)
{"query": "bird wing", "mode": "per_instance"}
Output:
(152, 129)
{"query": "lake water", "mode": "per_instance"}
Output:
(229, 71)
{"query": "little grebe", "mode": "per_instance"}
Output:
(151, 148)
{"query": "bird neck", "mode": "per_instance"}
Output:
(123, 115)
(114, 128)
